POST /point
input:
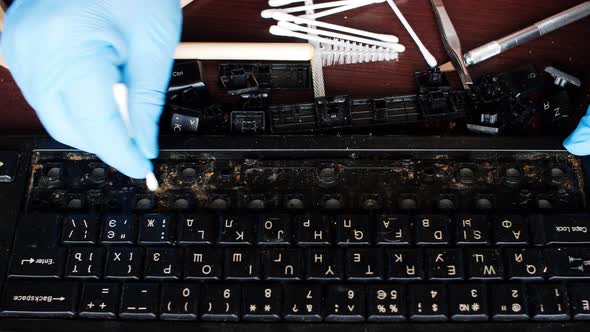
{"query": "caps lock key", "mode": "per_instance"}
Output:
(561, 229)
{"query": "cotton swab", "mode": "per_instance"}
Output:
(280, 3)
(343, 9)
(294, 27)
(121, 95)
(278, 16)
(267, 13)
(427, 55)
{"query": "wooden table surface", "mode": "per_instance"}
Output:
(476, 21)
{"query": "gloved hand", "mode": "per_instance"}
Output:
(66, 56)
(578, 143)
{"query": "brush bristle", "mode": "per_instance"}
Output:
(346, 52)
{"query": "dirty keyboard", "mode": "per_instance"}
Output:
(435, 237)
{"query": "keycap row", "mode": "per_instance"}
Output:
(249, 263)
(298, 302)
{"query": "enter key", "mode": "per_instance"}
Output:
(568, 263)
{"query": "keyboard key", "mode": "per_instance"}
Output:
(140, 301)
(29, 228)
(197, 229)
(118, 229)
(275, 231)
(468, 302)
(364, 264)
(427, 302)
(561, 229)
(261, 303)
(548, 302)
(282, 264)
(39, 299)
(156, 229)
(85, 263)
(37, 263)
(568, 263)
(302, 303)
(345, 303)
(432, 230)
(79, 229)
(444, 264)
(124, 263)
(472, 230)
(405, 264)
(163, 264)
(353, 230)
(99, 300)
(508, 302)
(238, 230)
(393, 230)
(203, 264)
(386, 303)
(221, 303)
(313, 230)
(525, 264)
(179, 302)
(580, 301)
(485, 264)
(242, 264)
(324, 264)
(511, 230)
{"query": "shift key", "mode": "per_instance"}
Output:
(39, 299)
(561, 229)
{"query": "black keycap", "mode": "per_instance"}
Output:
(548, 302)
(203, 264)
(386, 303)
(302, 303)
(568, 263)
(242, 264)
(39, 299)
(238, 230)
(485, 264)
(444, 264)
(393, 230)
(261, 303)
(468, 302)
(156, 229)
(364, 264)
(472, 230)
(37, 263)
(432, 230)
(197, 229)
(79, 229)
(275, 230)
(221, 303)
(99, 300)
(560, 229)
(525, 264)
(124, 263)
(580, 301)
(119, 229)
(282, 264)
(163, 263)
(85, 263)
(313, 230)
(179, 302)
(427, 302)
(345, 303)
(353, 230)
(509, 302)
(324, 264)
(29, 228)
(404, 264)
(140, 301)
(510, 230)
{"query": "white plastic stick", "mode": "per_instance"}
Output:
(427, 55)
(294, 27)
(355, 5)
(267, 13)
(245, 51)
(281, 3)
(302, 20)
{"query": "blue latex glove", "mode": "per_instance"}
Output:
(66, 56)
(578, 143)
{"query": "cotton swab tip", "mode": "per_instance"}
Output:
(151, 181)
(280, 16)
(278, 31)
(429, 58)
(389, 38)
(267, 13)
(280, 3)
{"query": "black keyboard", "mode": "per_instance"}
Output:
(300, 235)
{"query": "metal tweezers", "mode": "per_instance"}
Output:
(451, 42)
